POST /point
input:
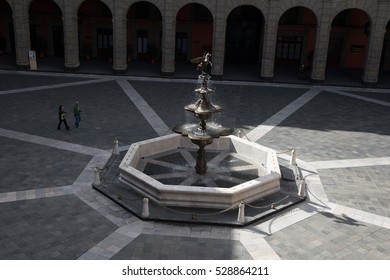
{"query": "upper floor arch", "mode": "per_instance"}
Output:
(368, 7)
(228, 8)
(313, 5)
(179, 5)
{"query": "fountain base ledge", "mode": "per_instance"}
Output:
(198, 196)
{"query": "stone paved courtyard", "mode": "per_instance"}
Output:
(48, 209)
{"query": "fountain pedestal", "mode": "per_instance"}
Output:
(201, 163)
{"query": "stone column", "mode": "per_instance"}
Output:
(119, 42)
(375, 45)
(22, 34)
(321, 47)
(219, 35)
(269, 48)
(168, 40)
(71, 40)
(269, 44)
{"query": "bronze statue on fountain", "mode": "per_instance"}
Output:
(202, 134)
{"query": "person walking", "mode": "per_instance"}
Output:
(76, 113)
(62, 117)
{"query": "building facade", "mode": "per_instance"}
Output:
(323, 34)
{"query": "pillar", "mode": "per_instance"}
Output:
(375, 45)
(71, 40)
(22, 34)
(219, 38)
(322, 41)
(119, 41)
(168, 39)
(269, 43)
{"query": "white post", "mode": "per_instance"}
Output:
(302, 189)
(145, 208)
(293, 160)
(115, 149)
(96, 181)
(240, 133)
(241, 213)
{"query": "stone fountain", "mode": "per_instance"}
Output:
(162, 168)
(202, 172)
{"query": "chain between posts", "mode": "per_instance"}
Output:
(201, 214)
(272, 205)
(120, 196)
(289, 150)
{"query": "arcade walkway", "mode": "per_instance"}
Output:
(232, 72)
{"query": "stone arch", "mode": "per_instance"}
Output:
(46, 28)
(313, 5)
(244, 35)
(108, 3)
(159, 4)
(58, 2)
(262, 6)
(369, 7)
(144, 43)
(194, 31)
(295, 42)
(348, 39)
(177, 5)
(96, 36)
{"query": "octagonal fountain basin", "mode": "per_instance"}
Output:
(162, 169)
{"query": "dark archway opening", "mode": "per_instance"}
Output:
(46, 29)
(194, 32)
(144, 31)
(244, 35)
(95, 31)
(297, 31)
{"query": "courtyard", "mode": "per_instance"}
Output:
(49, 210)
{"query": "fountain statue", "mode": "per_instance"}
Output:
(202, 134)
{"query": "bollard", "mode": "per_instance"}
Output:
(293, 160)
(96, 181)
(299, 175)
(240, 133)
(302, 189)
(241, 213)
(145, 208)
(115, 149)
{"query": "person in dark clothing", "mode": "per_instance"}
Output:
(62, 117)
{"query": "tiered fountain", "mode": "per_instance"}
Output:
(202, 134)
(162, 169)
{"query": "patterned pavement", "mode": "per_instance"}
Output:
(48, 209)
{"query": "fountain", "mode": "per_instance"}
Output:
(200, 169)
(225, 185)
(201, 134)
